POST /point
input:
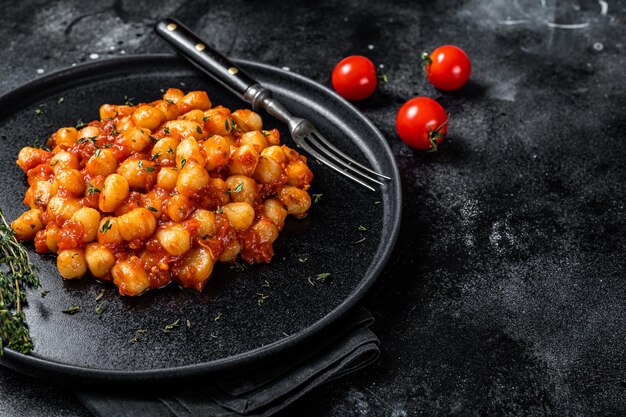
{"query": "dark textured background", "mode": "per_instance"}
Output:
(506, 291)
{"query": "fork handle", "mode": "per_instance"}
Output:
(205, 57)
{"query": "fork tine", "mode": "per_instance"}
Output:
(352, 161)
(330, 155)
(330, 164)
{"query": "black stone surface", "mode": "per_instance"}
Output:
(505, 295)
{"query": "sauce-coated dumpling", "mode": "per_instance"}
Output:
(160, 192)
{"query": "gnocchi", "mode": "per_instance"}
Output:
(160, 191)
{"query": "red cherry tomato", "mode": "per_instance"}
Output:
(447, 67)
(422, 123)
(354, 78)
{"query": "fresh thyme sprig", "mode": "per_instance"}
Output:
(16, 273)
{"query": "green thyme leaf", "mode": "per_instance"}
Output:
(322, 277)
(92, 189)
(106, 226)
(238, 266)
(262, 298)
(72, 310)
(168, 328)
(101, 308)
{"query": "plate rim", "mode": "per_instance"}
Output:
(27, 363)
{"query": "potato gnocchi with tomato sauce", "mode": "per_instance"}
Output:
(161, 191)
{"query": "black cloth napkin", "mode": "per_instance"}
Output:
(264, 392)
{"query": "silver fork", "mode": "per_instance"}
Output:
(304, 134)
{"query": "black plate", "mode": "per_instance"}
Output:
(229, 327)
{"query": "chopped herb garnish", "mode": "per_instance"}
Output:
(140, 331)
(220, 210)
(97, 153)
(382, 75)
(360, 240)
(44, 293)
(155, 156)
(130, 101)
(90, 139)
(214, 336)
(153, 139)
(317, 197)
(101, 308)
(199, 129)
(114, 131)
(238, 188)
(205, 118)
(183, 161)
(134, 340)
(38, 111)
(262, 298)
(170, 150)
(188, 322)
(322, 277)
(92, 189)
(238, 266)
(377, 202)
(54, 163)
(140, 164)
(166, 130)
(38, 143)
(170, 101)
(106, 226)
(72, 310)
(61, 100)
(153, 209)
(219, 315)
(265, 133)
(230, 125)
(266, 284)
(100, 295)
(172, 326)
(362, 228)
(149, 169)
(303, 260)
(80, 124)
(285, 334)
